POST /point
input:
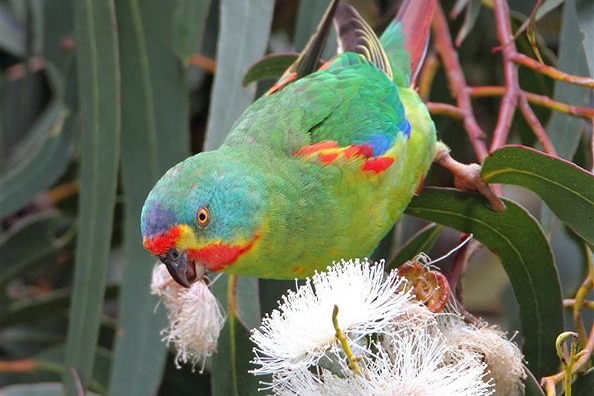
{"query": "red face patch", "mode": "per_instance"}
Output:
(161, 243)
(216, 256)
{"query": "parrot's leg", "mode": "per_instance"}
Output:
(466, 176)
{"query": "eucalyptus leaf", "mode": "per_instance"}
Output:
(422, 241)
(155, 114)
(585, 12)
(567, 189)
(99, 93)
(12, 33)
(40, 389)
(269, 67)
(41, 158)
(515, 236)
(564, 130)
(243, 36)
(231, 363)
(31, 242)
(470, 17)
(189, 21)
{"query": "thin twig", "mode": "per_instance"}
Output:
(510, 98)
(427, 75)
(537, 128)
(552, 72)
(457, 82)
(447, 109)
(541, 100)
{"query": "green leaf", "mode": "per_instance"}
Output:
(243, 37)
(583, 384)
(49, 305)
(154, 137)
(41, 389)
(12, 33)
(532, 385)
(42, 157)
(565, 131)
(422, 241)
(269, 67)
(585, 13)
(99, 94)
(189, 21)
(231, 362)
(470, 17)
(567, 189)
(515, 236)
(31, 242)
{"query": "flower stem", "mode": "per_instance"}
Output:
(351, 358)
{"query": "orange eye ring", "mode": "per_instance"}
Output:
(202, 216)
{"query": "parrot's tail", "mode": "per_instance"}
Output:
(406, 39)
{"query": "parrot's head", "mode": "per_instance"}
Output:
(205, 213)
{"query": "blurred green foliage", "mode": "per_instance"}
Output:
(99, 99)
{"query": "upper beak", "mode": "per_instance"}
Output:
(180, 268)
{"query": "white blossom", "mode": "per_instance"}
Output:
(394, 342)
(300, 332)
(194, 314)
(419, 363)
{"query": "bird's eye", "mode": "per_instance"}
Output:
(202, 216)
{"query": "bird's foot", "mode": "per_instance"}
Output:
(467, 176)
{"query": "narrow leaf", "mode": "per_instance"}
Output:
(12, 33)
(564, 130)
(41, 158)
(40, 389)
(515, 236)
(51, 304)
(230, 376)
(31, 242)
(99, 92)
(422, 241)
(567, 189)
(585, 12)
(470, 17)
(154, 137)
(243, 36)
(271, 66)
(189, 21)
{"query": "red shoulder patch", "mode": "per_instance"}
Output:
(378, 164)
(316, 147)
(328, 151)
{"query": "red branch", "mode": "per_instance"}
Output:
(510, 75)
(457, 82)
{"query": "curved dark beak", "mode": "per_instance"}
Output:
(182, 270)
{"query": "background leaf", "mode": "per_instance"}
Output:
(99, 90)
(572, 60)
(155, 114)
(422, 241)
(41, 158)
(585, 13)
(566, 188)
(48, 230)
(231, 363)
(515, 236)
(244, 30)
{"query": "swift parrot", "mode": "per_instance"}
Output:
(316, 170)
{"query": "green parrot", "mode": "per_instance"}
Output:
(318, 169)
